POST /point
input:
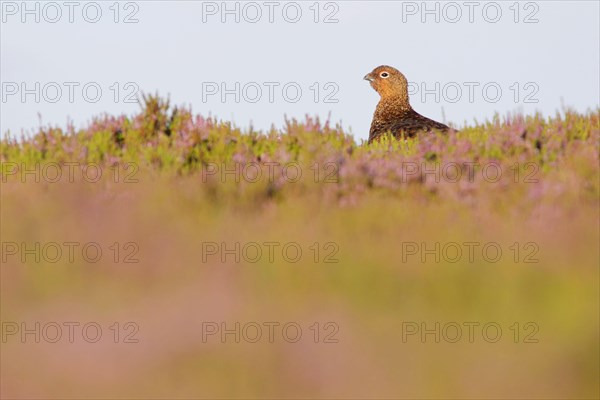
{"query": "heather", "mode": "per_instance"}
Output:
(173, 181)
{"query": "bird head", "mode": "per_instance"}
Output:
(388, 82)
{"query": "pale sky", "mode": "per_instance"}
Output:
(476, 59)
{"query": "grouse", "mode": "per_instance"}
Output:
(394, 113)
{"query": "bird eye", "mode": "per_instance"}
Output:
(384, 74)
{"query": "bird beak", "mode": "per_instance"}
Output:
(369, 77)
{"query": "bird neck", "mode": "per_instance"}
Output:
(394, 104)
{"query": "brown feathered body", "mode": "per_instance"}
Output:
(394, 113)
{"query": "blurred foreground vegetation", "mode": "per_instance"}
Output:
(392, 237)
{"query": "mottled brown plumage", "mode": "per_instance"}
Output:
(394, 113)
